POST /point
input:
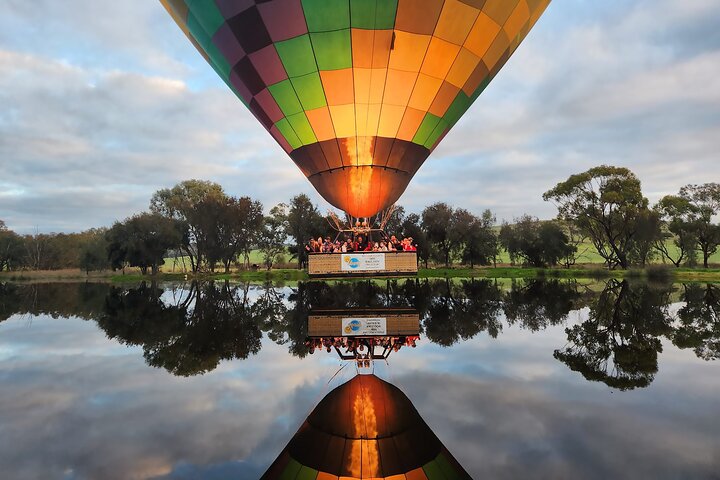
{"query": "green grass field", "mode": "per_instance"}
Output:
(176, 264)
(588, 255)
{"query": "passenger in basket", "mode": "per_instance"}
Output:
(360, 244)
(396, 245)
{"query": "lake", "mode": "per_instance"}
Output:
(498, 378)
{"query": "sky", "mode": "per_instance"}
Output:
(104, 103)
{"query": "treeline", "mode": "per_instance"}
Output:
(606, 206)
(200, 225)
(195, 221)
(603, 207)
(52, 251)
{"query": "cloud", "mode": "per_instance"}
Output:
(101, 142)
(107, 103)
(590, 85)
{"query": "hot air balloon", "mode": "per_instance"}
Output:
(357, 92)
(365, 428)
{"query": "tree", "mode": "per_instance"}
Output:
(273, 234)
(42, 251)
(225, 227)
(462, 223)
(538, 243)
(648, 232)
(93, 252)
(507, 240)
(554, 243)
(11, 248)
(576, 237)
(705, 200)
(210, 219)
(178, 203)
(678, 214)
(394, 223)
(249, 221)
(605, 203)
(141, 241)
(437, 222)
(303, 223)
(480, 246)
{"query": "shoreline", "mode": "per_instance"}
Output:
(655, 272)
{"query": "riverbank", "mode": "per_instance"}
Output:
(655, 272)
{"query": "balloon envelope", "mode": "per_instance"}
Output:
(357, 92)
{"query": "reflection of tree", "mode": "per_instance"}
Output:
(699, 321)
(619, 343)
(462, 310)
(537, 304)
(9, 300)
(85, 300)
(270, 310)
(210, 325)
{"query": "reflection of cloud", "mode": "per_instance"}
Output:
(73, 401)
(500, 422)
(106, 415)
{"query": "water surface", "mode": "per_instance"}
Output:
(541, 379)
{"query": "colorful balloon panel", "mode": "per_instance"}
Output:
(357, 92)
(365, 428)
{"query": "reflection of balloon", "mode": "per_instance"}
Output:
(365, 428)
(358, 92)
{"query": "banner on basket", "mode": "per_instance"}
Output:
(362, 263)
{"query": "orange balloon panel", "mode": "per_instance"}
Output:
(360, 175)
(358, 73)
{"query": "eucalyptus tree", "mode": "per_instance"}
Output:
(606, 203)
(679, 216)
(273, 235)
(11, 248)
(142, 240)
(179, 203)
(705, 201)
(303, 222)
(437, 223)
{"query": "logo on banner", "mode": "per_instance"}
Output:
(352, 262)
